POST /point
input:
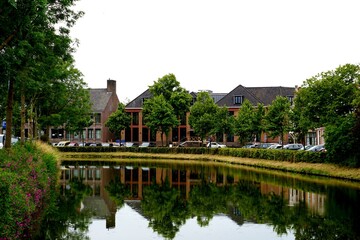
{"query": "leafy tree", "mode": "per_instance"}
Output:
(118, 120)
(245, 122)
(175, 100)
(258, 124)
(224, 123)
(159, 116)
(203, 115)
(277, 118)
(173, 93)
(30, 37)
(330, 100)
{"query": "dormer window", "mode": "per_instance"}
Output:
(291, 99)
(238, 100)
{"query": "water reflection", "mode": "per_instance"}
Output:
(169, 196)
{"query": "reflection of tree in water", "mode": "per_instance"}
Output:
(64, 220)
(165, 208)
(118, 191)
(206, 200)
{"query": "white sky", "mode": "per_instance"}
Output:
(214, 44)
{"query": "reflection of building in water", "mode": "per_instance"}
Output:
(136, 178)
(314, 201)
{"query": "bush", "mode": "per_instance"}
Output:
(27, 175)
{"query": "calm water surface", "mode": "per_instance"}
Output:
(161, 200)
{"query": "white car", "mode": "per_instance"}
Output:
(215, 145)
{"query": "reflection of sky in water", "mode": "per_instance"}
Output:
(131, 225)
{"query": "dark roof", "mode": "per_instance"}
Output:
(99, 98)
(139, 100)
(255, 95)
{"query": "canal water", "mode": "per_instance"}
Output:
(165, 199)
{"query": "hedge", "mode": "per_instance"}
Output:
(267, 154)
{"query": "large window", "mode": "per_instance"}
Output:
(98, 133)
(90, 134)
(135, 118)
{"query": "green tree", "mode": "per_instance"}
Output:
(173, 93)
(29, 31)
(224, 123)
(118, 120)
(244, 126)
(175, 100)
(277, 118)
(203, 115)
(331, 100)
(159, 116)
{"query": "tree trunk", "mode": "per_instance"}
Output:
(9, 113)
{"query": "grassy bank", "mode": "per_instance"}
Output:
(28, 175)
(319, 169)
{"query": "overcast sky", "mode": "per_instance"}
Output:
(214, 44)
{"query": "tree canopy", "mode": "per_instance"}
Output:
(118, 120)
(36, 56)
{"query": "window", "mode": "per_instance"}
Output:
(97, 117)
(238, 99)
(135, 118)
(291, 99)
(90, 134)
(98, 133)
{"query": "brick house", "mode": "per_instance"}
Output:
(104, 102)
(233, 100)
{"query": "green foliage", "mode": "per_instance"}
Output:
(173, 93)
(169, 103)
(245, 122)
(203, 115)
(331, 100)
(159, 115)
(36, 57)
(27, 178)
(118, 120)
(277, 118)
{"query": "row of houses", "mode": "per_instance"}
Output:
(105, 101)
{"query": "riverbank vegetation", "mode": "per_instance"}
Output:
(28, 178)
(246, 157)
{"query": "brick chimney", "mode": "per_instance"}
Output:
(111, 86)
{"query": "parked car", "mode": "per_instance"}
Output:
(275, 146)
(131, 144)
(191, 144)
(107, 144)
(63, 144)
(147, 144)
(264, 145)
(317, 148)
(293, 146)
(73, 144)
(215, 145)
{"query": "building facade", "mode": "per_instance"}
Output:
(104, 101)
(138, 132)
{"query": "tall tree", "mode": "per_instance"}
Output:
(177, 101)
(277, 118)
(244, 126)
(118, 120)
(224, 123)
(159, 116)
(330, 100)
(203, 115)
(22, 23)
(173, 93)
